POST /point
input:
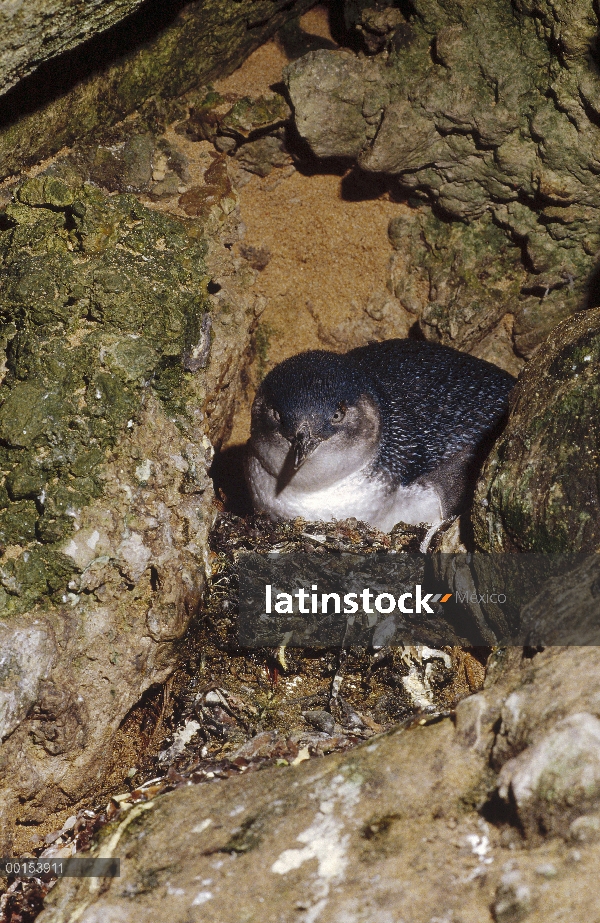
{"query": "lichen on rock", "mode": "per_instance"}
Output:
(459, 282)
(31, 36)
(116, 366)
(150, 60)
(100, 297)
(486, 112)
(539, 488)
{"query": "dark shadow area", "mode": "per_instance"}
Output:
(147, 711)
(503, 816)
(530, 652)
(406, 7)
(54, 78)
(360, 186)
(357, 185)
(592, 289)
(341, 34)
(594, 47)
(295, 42)
(227, 473)
(415, 332)
(305, 162)
(466, 533)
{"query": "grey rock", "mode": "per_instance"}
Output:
(391, 830)
(31, 33)
(328, 95)
(124, 167)
(459, 112)
(225, 144)
(378, 26)
(539, 489)
(557, 778)
(321, 720)
(258, 257)
(585, 829)
(513, 900)
(475, 720)
(304, 827)
(27, 653)
(262, 155)
(114, 478)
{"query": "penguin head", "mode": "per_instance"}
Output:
(319, 406)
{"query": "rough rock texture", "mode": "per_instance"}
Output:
(116, 371)
(489, 112)
(558, 778)
(485, 818)
(34, 32)
(460, 284)
(546, 747)
(251, 129)
(539, 490)
(153, 54)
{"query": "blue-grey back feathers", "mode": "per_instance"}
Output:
(434, 401)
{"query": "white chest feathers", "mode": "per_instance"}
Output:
(332, 486)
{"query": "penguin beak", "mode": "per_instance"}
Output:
(303, 445)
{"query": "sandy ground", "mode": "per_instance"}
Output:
(327, 239)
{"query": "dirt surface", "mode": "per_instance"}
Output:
(436, 822)
(326, 235)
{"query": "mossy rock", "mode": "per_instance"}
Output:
(487, 112)
(158, 53)
(539, 490)
(100, 298)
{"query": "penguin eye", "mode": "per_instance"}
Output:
(339, 414)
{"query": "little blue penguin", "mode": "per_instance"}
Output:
(386, 433)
